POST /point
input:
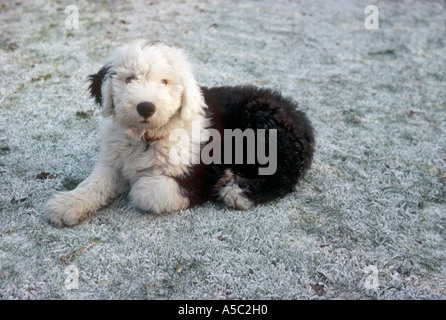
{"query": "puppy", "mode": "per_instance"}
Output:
(173, 144)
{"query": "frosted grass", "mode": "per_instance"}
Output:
(374, 197)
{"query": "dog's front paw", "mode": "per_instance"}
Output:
(232, 196)
(66, 209)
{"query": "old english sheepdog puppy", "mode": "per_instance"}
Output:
(173, 144)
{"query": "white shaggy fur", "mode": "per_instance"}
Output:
(142, 71)
(230, 193)
(232, 196)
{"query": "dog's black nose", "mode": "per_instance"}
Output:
(146, 109)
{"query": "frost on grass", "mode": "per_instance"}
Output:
(374, 199)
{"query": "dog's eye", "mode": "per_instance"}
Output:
(130, 79)
(164, 81)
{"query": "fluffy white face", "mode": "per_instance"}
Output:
(143, 75)
(144, 85)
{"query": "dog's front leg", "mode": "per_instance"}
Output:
(158, 194)
(98, 190)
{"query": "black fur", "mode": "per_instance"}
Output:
(250, 107)
(96, 81)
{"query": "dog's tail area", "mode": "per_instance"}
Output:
(288, 146)
(240, 192)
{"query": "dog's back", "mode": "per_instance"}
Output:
(240, 183)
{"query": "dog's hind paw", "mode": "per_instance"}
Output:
(232, 196)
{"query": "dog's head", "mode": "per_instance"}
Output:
(144, 84)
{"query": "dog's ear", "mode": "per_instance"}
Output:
(96, 81)
(192, 99)
(100, 90)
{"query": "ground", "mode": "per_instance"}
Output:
(369, 220)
